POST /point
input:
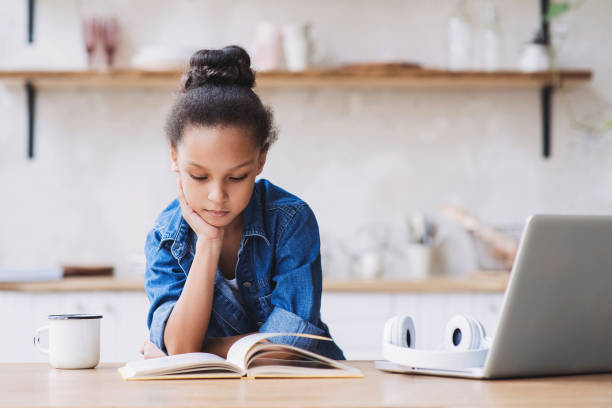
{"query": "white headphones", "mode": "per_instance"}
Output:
(465, 344)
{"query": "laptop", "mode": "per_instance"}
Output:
(556, 316)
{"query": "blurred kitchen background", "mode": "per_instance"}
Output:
(410, 184)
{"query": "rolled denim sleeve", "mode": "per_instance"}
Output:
(296, 297)
(164, 281)
(282, 321)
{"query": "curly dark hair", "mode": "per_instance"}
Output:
(216, 90)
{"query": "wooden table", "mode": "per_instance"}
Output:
(39, 385)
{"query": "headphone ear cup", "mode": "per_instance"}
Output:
(387, 333)
(405, 335)
(478, 337)
(464, 333)
(485, 340)
(483, 332)
(399, 331)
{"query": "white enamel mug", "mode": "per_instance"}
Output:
(74, 340)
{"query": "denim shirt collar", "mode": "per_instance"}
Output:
(252, 216)
(178, 230)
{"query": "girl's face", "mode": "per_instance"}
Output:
(217, 167)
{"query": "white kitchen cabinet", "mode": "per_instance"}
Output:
(122, 328)
(356, 320)
(431, 312)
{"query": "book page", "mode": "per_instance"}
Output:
(237, 354)
(203, 374)
(266, 360)
(279, 357)
(179, 363)
(288, 371)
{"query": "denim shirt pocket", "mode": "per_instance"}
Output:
(265, 304)
(228, 310)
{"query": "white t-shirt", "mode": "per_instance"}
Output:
(233, 284)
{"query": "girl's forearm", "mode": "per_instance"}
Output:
(186, 327)
(221, 345)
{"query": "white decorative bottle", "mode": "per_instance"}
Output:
(490, 42)
(459, 38)
(297, 46)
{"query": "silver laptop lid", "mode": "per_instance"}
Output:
(556, 316)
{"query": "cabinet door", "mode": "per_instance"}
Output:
(122, 328)
(20, 315)
(431, 312)
(123, 325)
(131, 309)
(356, 322)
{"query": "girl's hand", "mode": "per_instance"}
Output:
(150, 350)
(204, 231)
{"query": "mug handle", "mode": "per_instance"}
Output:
(37, 334)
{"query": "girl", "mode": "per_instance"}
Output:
(231, 255)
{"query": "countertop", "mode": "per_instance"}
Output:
(483, 282)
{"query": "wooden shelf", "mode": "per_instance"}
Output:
(76, 284)
(377, 77)
(400, 78)
(482, 282)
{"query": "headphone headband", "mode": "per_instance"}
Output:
(448, 360)
(464, 338)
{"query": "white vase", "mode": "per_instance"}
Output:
(369, 265)
(459, 38)
(297, 46)
(266, 50)
(420, 258)
(534, 58)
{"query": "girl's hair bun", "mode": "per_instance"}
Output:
(228, 66)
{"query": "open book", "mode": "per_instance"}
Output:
(249, 357)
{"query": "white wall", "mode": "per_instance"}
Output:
(358, 156)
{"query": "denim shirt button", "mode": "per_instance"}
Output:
(246, 284)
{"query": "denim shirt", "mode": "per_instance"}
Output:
(278, 272)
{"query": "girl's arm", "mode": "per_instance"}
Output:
(217, 345)
(186, 327)
(188, 322)
(221, 345)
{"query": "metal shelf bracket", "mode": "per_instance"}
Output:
(29, 87)
(547, 91)
(31, 102)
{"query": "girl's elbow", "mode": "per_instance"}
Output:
(181, 343)
(181, 348)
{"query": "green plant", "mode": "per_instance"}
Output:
(556, 11)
